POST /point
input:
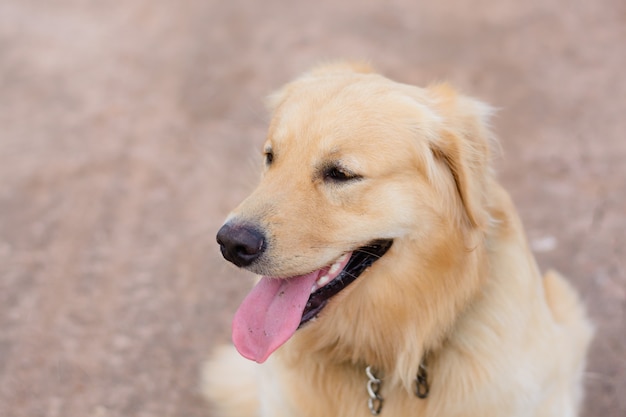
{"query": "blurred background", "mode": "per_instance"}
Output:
(129, 129)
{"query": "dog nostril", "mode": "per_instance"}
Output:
(240, 244)
(246, 250)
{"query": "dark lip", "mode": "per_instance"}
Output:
(361, 259)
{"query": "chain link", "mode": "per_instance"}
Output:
(421, 381)
(375, 400)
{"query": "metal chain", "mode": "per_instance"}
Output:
(375, 401)
(421, 381)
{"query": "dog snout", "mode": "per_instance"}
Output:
(241, 244)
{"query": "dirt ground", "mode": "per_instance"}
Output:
(129, 129)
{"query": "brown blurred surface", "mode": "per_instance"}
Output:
(128, 130)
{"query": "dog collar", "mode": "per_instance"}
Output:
(375, 400)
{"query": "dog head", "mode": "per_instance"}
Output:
(365, 180)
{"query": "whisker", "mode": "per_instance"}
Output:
(360, 250)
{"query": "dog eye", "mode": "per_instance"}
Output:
(269, 158)
(338, 174)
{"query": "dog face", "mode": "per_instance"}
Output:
(355, 165)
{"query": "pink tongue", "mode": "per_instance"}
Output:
(271, 314)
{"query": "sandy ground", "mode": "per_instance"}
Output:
(128, 130)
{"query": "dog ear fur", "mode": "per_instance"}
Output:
(464, 146)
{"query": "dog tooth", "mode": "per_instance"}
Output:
(335, 267)
(323, 280)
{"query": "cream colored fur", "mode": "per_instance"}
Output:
(459, 283)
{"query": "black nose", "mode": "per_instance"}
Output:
(240, 244)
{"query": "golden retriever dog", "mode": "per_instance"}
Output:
(396, 277)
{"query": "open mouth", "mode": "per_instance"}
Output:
(277, 307)
(340, 274)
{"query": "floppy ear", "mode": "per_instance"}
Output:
(464, 146)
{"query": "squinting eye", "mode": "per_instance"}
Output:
(338, 174)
